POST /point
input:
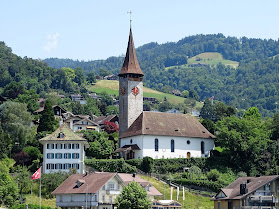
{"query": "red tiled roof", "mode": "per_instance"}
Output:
(95, 181)
(233, 190)
(128, 178)
(167, 124)
(131, 65)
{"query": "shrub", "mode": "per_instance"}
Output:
(173, 165)
(213, 186)
(118, 165)
(213, 175)
(194, 172)
(30, 206)
(147, 164)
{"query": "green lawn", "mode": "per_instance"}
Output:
(209, 58)
(34, 199)
(111, 87)
(191, 201)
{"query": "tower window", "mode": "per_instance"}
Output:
(172, 145)
(156, 144)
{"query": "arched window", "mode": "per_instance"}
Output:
(202, 147)
(172, 145)
(156, 144)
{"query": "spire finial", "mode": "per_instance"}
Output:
(130, 18)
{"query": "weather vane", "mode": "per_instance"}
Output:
(130, 17)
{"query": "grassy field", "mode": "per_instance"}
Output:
(111, 87)
(34, 199)
(211, 58)
(191, 201)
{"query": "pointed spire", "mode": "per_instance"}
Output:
(131, 65)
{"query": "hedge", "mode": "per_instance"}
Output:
(118, 165)
(173, 165)
(212, 185)
(30, 206)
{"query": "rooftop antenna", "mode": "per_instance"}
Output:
(130, 18)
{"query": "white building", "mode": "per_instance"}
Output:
(96, 190)
(62, 150)
(78, 123)
(166, 135)
(154, 134)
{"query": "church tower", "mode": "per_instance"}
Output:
(130, 88)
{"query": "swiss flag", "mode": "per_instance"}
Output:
(36, 175)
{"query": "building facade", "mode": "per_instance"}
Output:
(63, 150)
(97, 190)
(260, 192)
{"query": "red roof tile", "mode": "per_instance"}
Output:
(167, 124)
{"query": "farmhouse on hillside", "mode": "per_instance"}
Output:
(154, 134)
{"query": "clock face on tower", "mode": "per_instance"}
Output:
(123, 90)
(135, 91)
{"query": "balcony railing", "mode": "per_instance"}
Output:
(113, 191)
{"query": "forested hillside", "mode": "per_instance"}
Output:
(253, 83)
(35, 74)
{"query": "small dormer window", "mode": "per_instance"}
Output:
(61, 135)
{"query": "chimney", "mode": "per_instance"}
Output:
(243, 189)
(134, 175)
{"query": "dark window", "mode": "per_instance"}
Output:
(156, 144)
(202, 147)
(131, 141)
(172, 145)
(188, 142)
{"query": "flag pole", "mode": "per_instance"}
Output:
(40, 190)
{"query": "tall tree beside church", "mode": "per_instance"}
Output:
(47, 120)
(207, 110)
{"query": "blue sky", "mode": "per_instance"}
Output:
(91, 29)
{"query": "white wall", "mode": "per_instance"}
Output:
(147, 145)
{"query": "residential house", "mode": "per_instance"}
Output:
(152, 192)
(152, 100)
(101, 120)
(110, 77)
(78, 98)
(94, 96)
(78, 123)
(95, 191)
(58, 111)
(173, 111)
(259, 192)
(62, 150)
(166, 204)
(176, 92)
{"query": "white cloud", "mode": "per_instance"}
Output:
(52, 41)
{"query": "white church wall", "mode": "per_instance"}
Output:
(147, 145)
(181, 147)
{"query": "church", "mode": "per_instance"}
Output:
(154, 134)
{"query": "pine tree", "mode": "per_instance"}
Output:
(47, 120)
